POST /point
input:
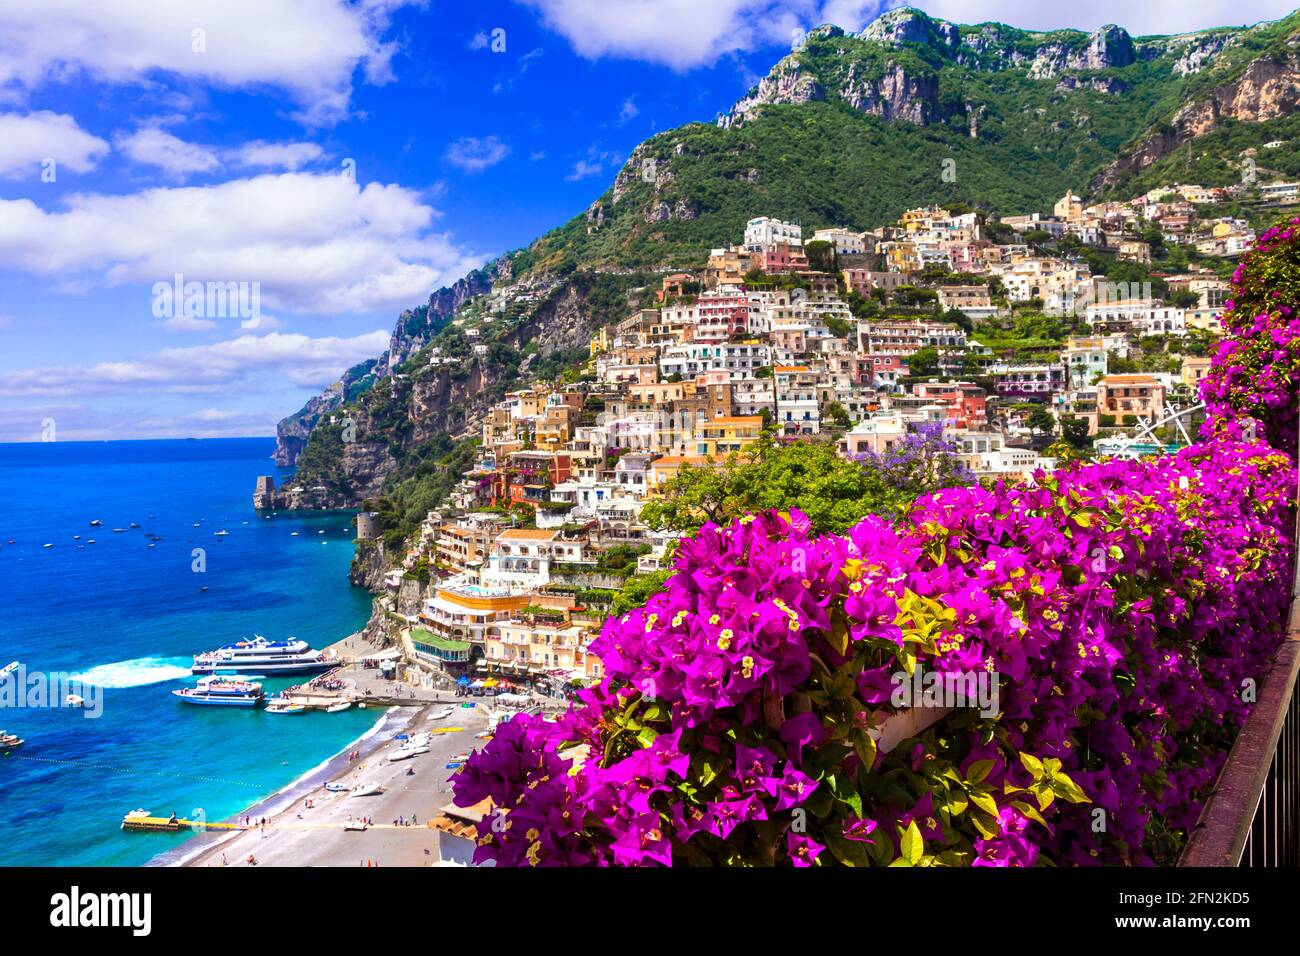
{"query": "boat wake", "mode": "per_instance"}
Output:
(136, 673)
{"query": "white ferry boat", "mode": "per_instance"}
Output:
(222, 692)
(260, 656)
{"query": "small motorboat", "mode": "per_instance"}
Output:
(293, 534)
(8, 669)
(8, 740)
(204, 588)
(220, 534)
(282, 706)
(134, 524)
(90, 541)
(401, 753)
(460, 757)
(196, 524)
(337, 787)
(339, 707)
(47, 546)
(76, 537)
(367, 790)
(351, 824)
(96, 523)
(119, 531)
(72, 700)
(442, 713)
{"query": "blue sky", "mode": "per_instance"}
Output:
(347, 157)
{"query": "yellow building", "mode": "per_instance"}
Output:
(721, 436)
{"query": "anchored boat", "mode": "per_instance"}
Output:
(282, 706)
(222, 692)
(262, 656)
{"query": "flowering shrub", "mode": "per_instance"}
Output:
(1121, 605)
(1256, 369)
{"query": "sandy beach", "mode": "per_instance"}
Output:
(305, 825)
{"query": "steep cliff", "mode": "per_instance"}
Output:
(415, 328)
(357, 451)
(1268, 89)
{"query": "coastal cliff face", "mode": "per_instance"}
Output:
(357, 448)
(415, 328)
(1268, 89)
(893, 68)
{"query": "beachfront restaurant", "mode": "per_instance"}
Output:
(446, 652)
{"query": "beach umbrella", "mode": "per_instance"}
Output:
(462, 680)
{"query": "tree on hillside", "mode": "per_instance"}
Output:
(1041, 420)
(923, 362)
(821, 256)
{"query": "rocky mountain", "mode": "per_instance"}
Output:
(415, 329)
(847, 129)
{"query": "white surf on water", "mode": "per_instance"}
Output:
(136, 673)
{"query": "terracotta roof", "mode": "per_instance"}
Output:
(528, 534)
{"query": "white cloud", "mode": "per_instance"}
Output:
(475, 154)
(678, 33)
(315, 243)
(262, 155)
(152, 146)
(594, 163)
(26, 141)
(187, 323)
(629, 111)
(583, 168)
(248, 360)
(308, 48)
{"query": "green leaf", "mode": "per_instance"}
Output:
(1032, 764)
(985, 803)
(911, 844)
(978, 771)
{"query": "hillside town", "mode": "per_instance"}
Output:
(999, 334)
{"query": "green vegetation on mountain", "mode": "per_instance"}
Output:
(848, 131)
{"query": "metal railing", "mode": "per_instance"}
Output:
(1253, 815)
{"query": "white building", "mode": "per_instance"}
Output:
(846, 243)
(1140, 316)
(739, 360)
(765, 231)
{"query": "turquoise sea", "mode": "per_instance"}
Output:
(128, 618)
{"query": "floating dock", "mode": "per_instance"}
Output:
(172, 824)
